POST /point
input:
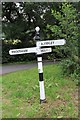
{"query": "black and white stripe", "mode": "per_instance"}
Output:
(41, 81)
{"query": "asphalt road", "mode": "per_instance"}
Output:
(12, 68)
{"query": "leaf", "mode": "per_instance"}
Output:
(56, 84)
(33, 88)
(36, 86)
(18, 114)
(58, 96)
(49, 85)
(59, 116)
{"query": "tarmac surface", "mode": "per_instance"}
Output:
(13, 67)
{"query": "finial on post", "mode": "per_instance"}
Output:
(37, 36)
(37, 29)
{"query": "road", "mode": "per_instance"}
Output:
(12, 68)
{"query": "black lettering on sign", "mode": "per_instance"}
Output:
(45, 50)
(41, 43)
(53, 42)
(13, 51)
(42, 50)
(17, 51)
(47, 43)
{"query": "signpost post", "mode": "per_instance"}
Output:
(39, 51)
(40, 69)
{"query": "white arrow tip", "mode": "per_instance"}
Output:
(64, 41)
(10, 52)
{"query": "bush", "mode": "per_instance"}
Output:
(67, 27)
(71, 68)
(68, 66)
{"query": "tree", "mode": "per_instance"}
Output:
(67, 27)
(20, 19)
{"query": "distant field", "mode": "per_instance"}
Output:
(21, 94)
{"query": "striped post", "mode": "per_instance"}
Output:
(41, 81)
(40, 70)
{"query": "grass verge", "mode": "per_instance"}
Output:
(21, 94)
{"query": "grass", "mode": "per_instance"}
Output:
(21, 94)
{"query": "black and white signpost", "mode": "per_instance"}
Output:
(40, 69)
(39, 51)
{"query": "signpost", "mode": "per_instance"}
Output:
(36, 50)
(51, 43)
(39, 51)
(22, 51)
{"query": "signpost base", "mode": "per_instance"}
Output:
(43, 101)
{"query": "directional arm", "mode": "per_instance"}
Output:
(22, 51)
(51, 43)
(37, 50)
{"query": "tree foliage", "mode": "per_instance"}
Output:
(67, 27)
(20, 19)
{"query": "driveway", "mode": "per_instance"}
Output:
(12, 68)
